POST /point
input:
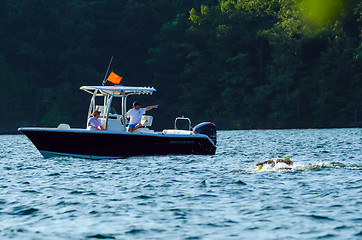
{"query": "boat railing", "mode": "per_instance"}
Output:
(183, 118)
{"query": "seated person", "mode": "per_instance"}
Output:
(95, 123)
(135, 114)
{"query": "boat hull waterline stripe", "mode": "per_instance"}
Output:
(48, 154)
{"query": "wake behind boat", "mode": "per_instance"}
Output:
(116, 141)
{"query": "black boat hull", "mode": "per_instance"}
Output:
(103, 144)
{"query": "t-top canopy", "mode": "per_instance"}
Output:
(117, 90)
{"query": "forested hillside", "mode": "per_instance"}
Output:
(239, 63)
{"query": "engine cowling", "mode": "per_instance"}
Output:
(207, 128)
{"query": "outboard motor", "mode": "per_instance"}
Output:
(208, 129)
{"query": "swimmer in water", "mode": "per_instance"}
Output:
(272, 162)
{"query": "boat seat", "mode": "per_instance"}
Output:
(146, 120)
(144, 130)
(64, 126)
(114, 125)
(176, 131)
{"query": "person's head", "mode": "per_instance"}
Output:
(96, 113)
(137, 105)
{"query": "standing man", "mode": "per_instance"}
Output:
(135, 114)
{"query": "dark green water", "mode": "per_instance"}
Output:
(189, 197)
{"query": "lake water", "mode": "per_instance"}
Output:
(189, 197)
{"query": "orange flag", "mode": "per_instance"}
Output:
(114, 78)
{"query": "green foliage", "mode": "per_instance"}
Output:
(15, 97)
(238, 63)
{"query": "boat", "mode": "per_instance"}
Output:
(116, 141)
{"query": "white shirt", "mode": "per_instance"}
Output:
(135, 115)
(93, 122)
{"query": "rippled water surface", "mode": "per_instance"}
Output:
(189, 197)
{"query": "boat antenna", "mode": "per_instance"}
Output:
(105, 76)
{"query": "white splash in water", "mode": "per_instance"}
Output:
(282, 167)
